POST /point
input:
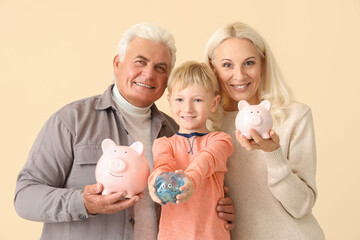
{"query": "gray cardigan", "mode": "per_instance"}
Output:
(62, 162)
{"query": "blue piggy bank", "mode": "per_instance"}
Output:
(167, 186)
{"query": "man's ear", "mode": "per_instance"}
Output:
(116, 62)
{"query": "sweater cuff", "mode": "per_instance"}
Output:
(195, 178)
(276, 159)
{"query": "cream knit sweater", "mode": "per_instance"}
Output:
(274, 192)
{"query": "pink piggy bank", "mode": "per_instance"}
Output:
(257, 117)
(122, 168)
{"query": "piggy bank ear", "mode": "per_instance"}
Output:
(138, 147)
(242, 104)
(266, 104)
(107, 143)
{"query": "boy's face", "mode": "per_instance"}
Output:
(191, 107)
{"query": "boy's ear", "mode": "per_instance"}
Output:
(215, 104)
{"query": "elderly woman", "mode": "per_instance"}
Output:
(273, 188)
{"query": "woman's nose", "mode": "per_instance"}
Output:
(239, 73)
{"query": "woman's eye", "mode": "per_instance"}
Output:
(249, 63)
(226, 65)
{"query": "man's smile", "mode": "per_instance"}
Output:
(144, 85)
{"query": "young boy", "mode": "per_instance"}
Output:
(194, 152)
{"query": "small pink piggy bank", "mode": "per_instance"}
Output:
(257, 117)
(122, 168)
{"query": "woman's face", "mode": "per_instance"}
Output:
(238, 67)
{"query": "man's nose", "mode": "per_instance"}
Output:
(149, 72)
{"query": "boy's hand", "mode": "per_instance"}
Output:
(152, 190)
(187, 188)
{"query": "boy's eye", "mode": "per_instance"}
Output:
(197, 100)
(178, 99)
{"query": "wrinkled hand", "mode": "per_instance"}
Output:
(96, 203)
(187, 188)
(226, 210)
(267, 145)
(152, 189)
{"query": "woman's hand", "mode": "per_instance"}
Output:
(267, 145)
(187, 188)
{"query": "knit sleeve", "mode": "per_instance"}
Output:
(163, 155)
(211, 159)
(291, 178)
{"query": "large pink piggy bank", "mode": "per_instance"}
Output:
(122, 168)
(257, 117)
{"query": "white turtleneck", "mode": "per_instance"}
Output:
(137, 121)
(138, 124)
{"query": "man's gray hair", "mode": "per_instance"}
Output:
(147, 31)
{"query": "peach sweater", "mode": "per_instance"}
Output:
(203, 158)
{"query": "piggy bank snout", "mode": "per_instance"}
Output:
(117, 165)
(255, 120)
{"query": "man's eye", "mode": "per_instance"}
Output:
(139, 62)
(161, 69)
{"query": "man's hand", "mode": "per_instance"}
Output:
(112, 203)
(226, 210)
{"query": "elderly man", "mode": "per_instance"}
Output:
(57, 184)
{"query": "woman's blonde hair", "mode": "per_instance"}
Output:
(192, 72)
(272, 86)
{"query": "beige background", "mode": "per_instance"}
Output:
(54, 52)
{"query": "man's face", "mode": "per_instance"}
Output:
(142, 75)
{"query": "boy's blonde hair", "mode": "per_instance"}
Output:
(192, 72)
